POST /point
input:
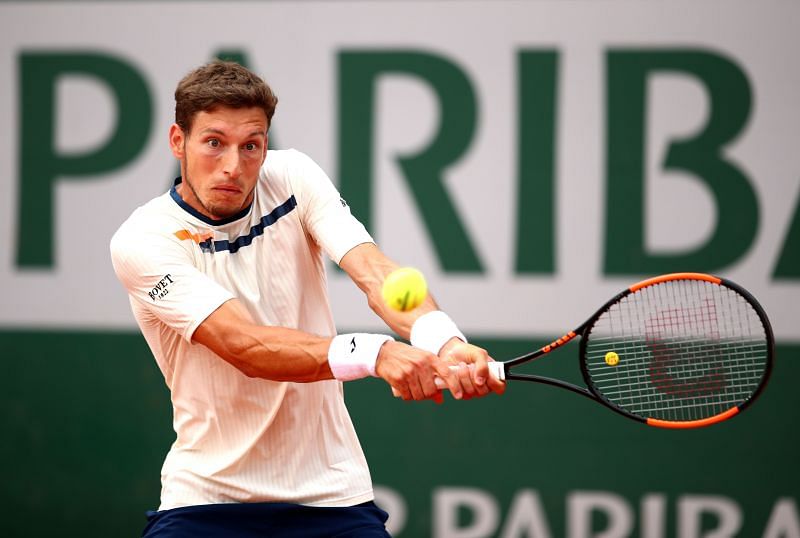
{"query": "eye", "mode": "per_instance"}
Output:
(251, 146)
(213, 143)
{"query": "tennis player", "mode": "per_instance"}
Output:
(226, 280)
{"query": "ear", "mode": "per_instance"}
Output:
(177, 138)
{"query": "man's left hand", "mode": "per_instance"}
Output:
(472, 368)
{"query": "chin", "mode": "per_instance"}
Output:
(226, 211)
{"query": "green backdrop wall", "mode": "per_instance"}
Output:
(87, 422)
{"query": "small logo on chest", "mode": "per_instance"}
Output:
(204, 239)
(197, 238)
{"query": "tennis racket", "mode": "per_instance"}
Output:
(682, 350)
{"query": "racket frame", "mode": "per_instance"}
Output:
(592, 393)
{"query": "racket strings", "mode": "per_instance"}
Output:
(687, 350)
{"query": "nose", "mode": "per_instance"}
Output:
(231, 163)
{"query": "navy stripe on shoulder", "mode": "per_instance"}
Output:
(256, 230)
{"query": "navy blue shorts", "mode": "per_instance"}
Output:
(259, 520)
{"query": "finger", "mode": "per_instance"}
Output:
(482, 382)
(398, 393)
(405, 393)
(416, 389)
(448, 374)
(479, 390)
(427, 380)
(481, 371)
(465, 378)
(482, 390)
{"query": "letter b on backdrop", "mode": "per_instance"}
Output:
(702, 156)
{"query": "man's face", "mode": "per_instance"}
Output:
(220, 159)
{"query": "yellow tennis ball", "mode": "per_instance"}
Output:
(612, 359)
(404, 289)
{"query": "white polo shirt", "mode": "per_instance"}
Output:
(242, 439)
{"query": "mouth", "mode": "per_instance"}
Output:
(227, 189)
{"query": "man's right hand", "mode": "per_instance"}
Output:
(412, 371)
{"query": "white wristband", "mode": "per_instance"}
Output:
(433, 330)
(352, 356)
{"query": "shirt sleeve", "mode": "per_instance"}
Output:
(160, 276)
(325, 214)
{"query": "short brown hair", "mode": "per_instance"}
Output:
(221, 83)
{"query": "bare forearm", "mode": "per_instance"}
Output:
(276, 353)
(368, 268)
(280, 354)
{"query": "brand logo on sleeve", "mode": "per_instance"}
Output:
(160, 290)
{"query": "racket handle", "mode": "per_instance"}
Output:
(496, 370)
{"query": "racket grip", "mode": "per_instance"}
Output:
(496, 370)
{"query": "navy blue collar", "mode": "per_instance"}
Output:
(195, 213)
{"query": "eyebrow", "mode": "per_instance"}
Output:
(219, 132)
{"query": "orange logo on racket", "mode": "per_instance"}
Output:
(560, 342)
